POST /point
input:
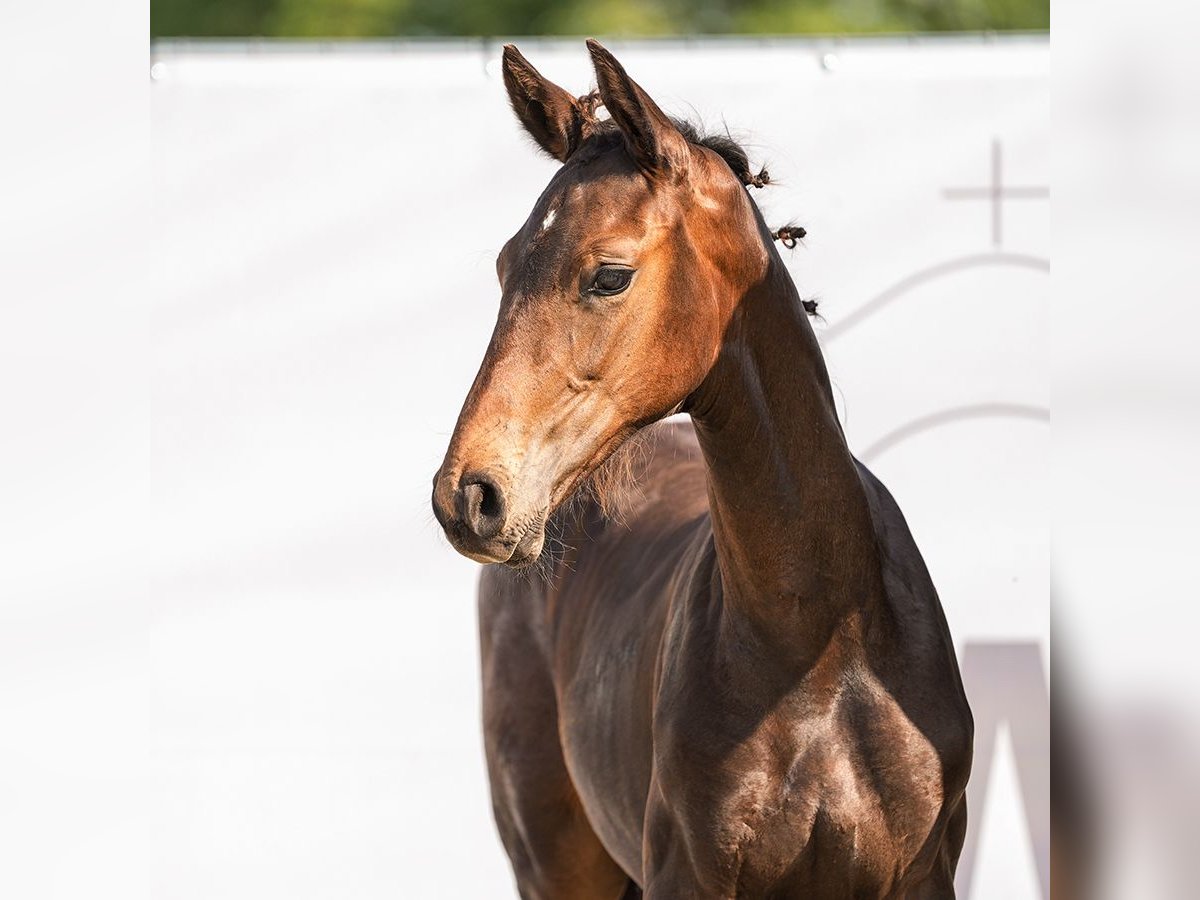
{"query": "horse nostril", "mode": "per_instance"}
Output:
(481, 505)
(491, 506)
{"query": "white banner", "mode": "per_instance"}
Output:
(328, 223)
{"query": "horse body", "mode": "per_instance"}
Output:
(701, 772)
(740, 683)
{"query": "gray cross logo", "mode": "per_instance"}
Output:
(997, 192)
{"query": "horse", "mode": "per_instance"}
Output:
(714, 663)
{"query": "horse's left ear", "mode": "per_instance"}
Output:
(553, 118)
(657, 146)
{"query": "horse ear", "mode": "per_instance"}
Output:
(553, 118)
(656, 144)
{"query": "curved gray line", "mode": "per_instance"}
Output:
(949, 416)
(901, 287)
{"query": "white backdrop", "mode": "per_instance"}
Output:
(326, 227)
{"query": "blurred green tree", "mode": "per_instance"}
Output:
(392, 18)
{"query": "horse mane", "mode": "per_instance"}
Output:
(726, 147)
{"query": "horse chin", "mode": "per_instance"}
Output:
(528, 549)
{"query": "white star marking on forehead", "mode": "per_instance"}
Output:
(549, 220)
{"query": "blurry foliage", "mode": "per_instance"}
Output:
(392, 18)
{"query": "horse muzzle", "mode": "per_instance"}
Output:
(474, 511)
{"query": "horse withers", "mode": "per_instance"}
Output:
(726, 674)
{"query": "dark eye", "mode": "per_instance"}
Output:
(610, 280)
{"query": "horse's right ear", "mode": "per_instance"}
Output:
(552, 116)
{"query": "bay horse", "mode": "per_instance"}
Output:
(728, 675)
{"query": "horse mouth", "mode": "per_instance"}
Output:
(516, 553)
(528, 547)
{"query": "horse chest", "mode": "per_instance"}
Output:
(795, 807)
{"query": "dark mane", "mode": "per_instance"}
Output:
(728, 149)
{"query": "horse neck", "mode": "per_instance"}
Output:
(791, 521)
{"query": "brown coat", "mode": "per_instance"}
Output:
(739, 682)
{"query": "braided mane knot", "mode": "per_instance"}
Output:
(789, 235)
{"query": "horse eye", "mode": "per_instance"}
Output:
(610, 280)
